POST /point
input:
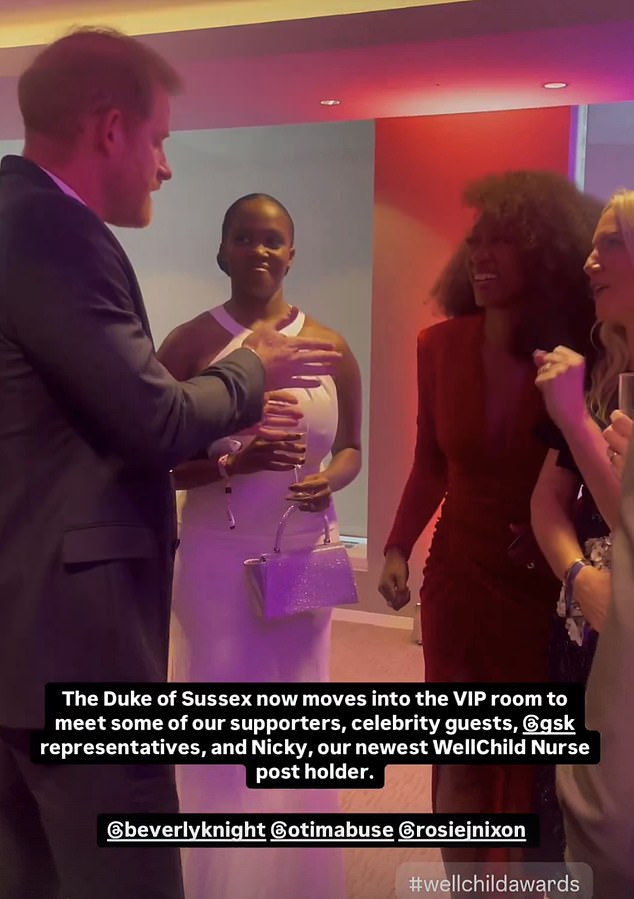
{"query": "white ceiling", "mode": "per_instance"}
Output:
(456, 57)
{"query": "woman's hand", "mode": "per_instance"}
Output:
(591, 589)
(561, 379)
(278, 443)
(312, 494)
(393, 581)
(617, 436)
(280, 410)
(272, 449)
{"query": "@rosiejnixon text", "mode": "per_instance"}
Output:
(314, 735)
(317, 830)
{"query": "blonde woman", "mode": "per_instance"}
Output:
(573, 527)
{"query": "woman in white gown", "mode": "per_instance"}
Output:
(217, 634)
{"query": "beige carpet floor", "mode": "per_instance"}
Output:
(362, 652)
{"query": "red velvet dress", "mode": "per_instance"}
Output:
(484, 618)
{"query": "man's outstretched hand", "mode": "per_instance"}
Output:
(291, 361)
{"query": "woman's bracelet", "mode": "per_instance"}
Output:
(223, 463)
(570, 576)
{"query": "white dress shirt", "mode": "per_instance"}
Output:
(62, 185)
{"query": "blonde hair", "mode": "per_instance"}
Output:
(615, 355)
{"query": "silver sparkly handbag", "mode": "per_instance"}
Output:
(286, 582)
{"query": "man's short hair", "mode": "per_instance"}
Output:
(91, 70)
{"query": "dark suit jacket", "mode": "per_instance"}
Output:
(90, 425)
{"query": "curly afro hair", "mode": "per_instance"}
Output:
(551, 223)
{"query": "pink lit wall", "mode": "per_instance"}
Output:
(421, 166)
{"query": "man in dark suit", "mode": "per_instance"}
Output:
(90, 425)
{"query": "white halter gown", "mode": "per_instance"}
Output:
(217, 636)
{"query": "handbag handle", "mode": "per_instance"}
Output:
(280, 528)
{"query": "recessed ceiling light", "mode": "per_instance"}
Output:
(555, 85)
(330, 102)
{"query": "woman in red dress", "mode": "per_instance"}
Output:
(516, 284)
